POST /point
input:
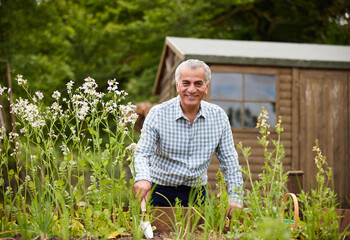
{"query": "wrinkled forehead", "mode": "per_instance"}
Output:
(192, 73)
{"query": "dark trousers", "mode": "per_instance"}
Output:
(165, 196)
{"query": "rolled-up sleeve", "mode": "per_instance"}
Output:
(146, 147)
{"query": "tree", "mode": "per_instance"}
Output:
(53, 42)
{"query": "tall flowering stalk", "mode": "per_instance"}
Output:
(71, 152)
(264, 201)
(320, 220)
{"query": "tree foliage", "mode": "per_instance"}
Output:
(52, 42)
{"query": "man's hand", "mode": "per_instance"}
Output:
(233, 206)
(142, 189)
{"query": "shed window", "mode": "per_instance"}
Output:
(242, 95)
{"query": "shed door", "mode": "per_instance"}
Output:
(324, 115)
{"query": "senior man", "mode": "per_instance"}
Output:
(178, 139)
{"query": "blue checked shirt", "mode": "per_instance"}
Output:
(173, 152)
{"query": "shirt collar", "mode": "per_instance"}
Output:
(179, 113)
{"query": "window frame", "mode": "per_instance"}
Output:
(248, 70)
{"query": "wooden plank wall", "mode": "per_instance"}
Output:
(324, 115)
(167, 79)
(249, 136)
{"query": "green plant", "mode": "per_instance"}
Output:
(270, 228)
(70, 153)
(64, 175)
(264, 200)
(320, 220)
(216, 209)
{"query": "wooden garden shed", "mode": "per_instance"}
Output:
(307, 84)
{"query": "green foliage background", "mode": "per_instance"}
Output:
(51, 42)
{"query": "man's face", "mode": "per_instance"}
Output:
(191, 87)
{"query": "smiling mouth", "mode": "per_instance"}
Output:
(191, 96)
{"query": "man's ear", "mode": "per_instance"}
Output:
(177, 86)
(207, 86)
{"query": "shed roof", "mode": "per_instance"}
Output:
(219, 51)
(262, 53)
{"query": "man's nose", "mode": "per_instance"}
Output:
(191, 88)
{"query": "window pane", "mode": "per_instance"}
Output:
(260, 87)
(233, 111)
(226, 86)
(253, 110)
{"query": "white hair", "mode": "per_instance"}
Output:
(193, 64)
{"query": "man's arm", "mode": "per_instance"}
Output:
(146, 148)
(228, 158)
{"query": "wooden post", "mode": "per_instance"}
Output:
(295, 181)
(3, 117)
(9, 86)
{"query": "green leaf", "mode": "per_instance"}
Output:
(92, 131)
(107, 130)
(11, 172)
(113, 234)
(32, 186)
(59, 183)
(88, 213)
(105, 163)
(82, 163)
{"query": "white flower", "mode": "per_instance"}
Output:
(23, 130)
(52, 134)
(13, 136)
(2, 89)
(2, 133)
(27, 178)
(38, 123)
(56, 95)
(56, 107)
(132, 147)
(128, 114)
(39, 95)
(76, 98)
(89, 86)
(20, 80)
(83, 111)
(64, 149)
(70, 86)
(111, 106)
(28, 112)
(72, 130)
(99, 94)
(113, 85)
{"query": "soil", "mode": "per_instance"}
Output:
(158, 235)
